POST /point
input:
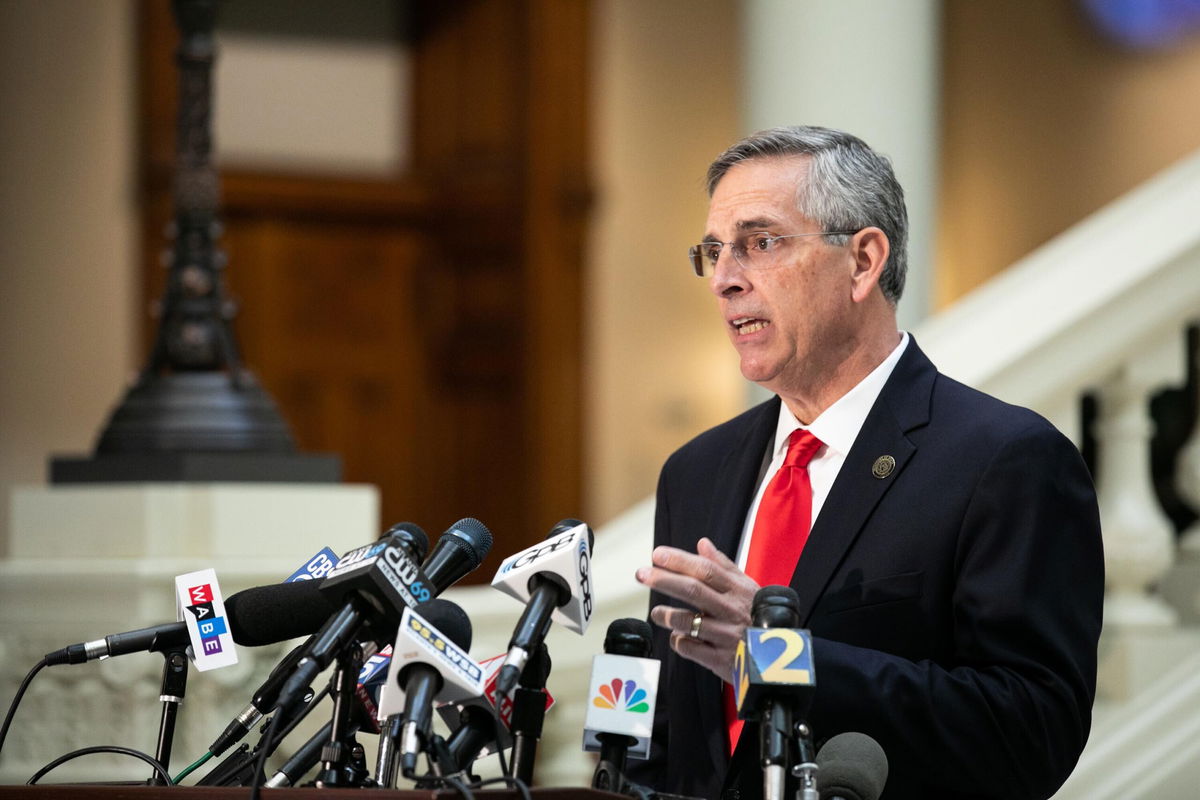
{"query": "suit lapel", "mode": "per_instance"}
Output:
(902, 406)
(737, 477)
(735, 481)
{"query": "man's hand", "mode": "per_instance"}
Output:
(711, 583)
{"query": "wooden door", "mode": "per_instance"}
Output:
(425, 326)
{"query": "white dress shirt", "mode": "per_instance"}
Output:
(837, 427)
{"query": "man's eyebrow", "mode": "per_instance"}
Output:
(745, 225)
(755, 224)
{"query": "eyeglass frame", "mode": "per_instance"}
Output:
(700, 262)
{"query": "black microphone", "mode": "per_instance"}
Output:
(462, 548)
(476, 729)
(374, 584)
(776, 694)
(258, 616)
(559, 578)
(851, 766)
(423, 681)
(414, 541)
(625, 637)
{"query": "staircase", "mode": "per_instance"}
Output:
(1102, 310)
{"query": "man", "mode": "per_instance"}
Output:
(948, 544)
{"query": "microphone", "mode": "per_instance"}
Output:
(772, 690)
(554, 579)
(623, 691)
(258, 616)
(628, 638)
(429, 664)
(374, 583)
(460, 549)
(264, 700)
(851, 766)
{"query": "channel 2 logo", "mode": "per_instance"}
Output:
(618, 693)
(210, 625)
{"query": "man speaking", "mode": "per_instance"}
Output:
(945, 546)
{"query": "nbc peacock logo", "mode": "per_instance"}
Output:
(618, 692)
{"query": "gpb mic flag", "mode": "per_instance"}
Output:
(565, 558)
(621, 699)
(203, 609)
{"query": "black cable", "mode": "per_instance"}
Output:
(499, 727)
(12, 709)
(260, 765)
(463, 790)
(519, 784)
(124, 751)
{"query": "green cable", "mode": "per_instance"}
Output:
(203, 759)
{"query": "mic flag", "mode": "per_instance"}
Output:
(316, 567)
(493, 701)
(202, 608)
(772, 662)
(418, 642)
(567, 558)
(621, 700)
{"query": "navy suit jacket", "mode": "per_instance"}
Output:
(955, 604)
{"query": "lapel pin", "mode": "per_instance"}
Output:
(883, 466)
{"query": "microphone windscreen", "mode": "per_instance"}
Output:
(449, 618)
(776, 607)
(628, 637)
(476, 535)
(852, 765)
(565, 525)
(414, 537)
(269, 614)
(460, 549)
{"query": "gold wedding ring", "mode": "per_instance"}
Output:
(696, 620)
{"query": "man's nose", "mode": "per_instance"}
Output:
(728, 277)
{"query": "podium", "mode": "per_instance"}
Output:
(96, 792)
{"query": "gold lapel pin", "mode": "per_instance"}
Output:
(883, 466)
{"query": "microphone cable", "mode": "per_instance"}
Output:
(12, 709)
(124, 751)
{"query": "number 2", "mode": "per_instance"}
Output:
(778, 671)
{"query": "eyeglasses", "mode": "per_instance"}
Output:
(752, 251)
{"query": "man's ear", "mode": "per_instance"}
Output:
(869, 249)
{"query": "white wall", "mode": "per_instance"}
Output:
(68, 228)
(659, 367)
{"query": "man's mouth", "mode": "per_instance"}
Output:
(746, 325)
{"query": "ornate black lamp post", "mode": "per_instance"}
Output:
(195, 413)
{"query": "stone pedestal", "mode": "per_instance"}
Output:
(85, 561)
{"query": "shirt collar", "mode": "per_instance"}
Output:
(837, 427)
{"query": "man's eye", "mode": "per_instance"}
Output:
(760, 242)
(712, 252)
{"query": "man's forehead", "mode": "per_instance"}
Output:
(758, 193)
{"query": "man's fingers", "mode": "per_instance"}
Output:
(695, 566)
(710, 630)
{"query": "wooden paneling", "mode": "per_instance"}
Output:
(426, 327)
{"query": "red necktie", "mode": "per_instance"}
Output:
(780, 531)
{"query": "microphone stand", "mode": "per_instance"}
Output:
(387, 762)
(805, 763)
(174, 686)
(529, 712)
(237, 769)
(336, 755)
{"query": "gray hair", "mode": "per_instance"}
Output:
(849, 187)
